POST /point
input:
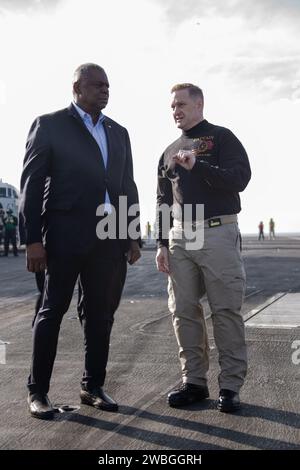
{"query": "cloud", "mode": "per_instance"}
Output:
(279, 78)
(257, 12)
(251, 44)
(27, 5)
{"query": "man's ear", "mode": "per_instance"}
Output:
(76, 88)
(200, 103)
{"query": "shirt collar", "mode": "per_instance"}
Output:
(193, 132)
(84, 115)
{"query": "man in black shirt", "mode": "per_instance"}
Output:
(200, 176)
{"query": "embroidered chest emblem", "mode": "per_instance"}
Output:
(203, 144)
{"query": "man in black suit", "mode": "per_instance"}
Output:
(76, 160)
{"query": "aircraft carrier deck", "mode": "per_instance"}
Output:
(143, 366)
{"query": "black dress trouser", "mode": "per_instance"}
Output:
(102, 274)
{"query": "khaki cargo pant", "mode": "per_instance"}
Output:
(217, 270)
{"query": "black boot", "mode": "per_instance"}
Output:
(187, 394)
(229, 401)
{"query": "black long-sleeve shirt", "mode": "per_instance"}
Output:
(221, 171)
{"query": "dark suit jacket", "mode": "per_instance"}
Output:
(64, 180)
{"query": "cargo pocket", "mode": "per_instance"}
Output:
(234, 279)
(226, 292)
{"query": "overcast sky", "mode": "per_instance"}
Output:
(245, 54)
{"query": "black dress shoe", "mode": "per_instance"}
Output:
(99, 399)
(40, 406)
(187, 394)
(228, 401)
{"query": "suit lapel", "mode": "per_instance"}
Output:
(111, 146)
(72, 112)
